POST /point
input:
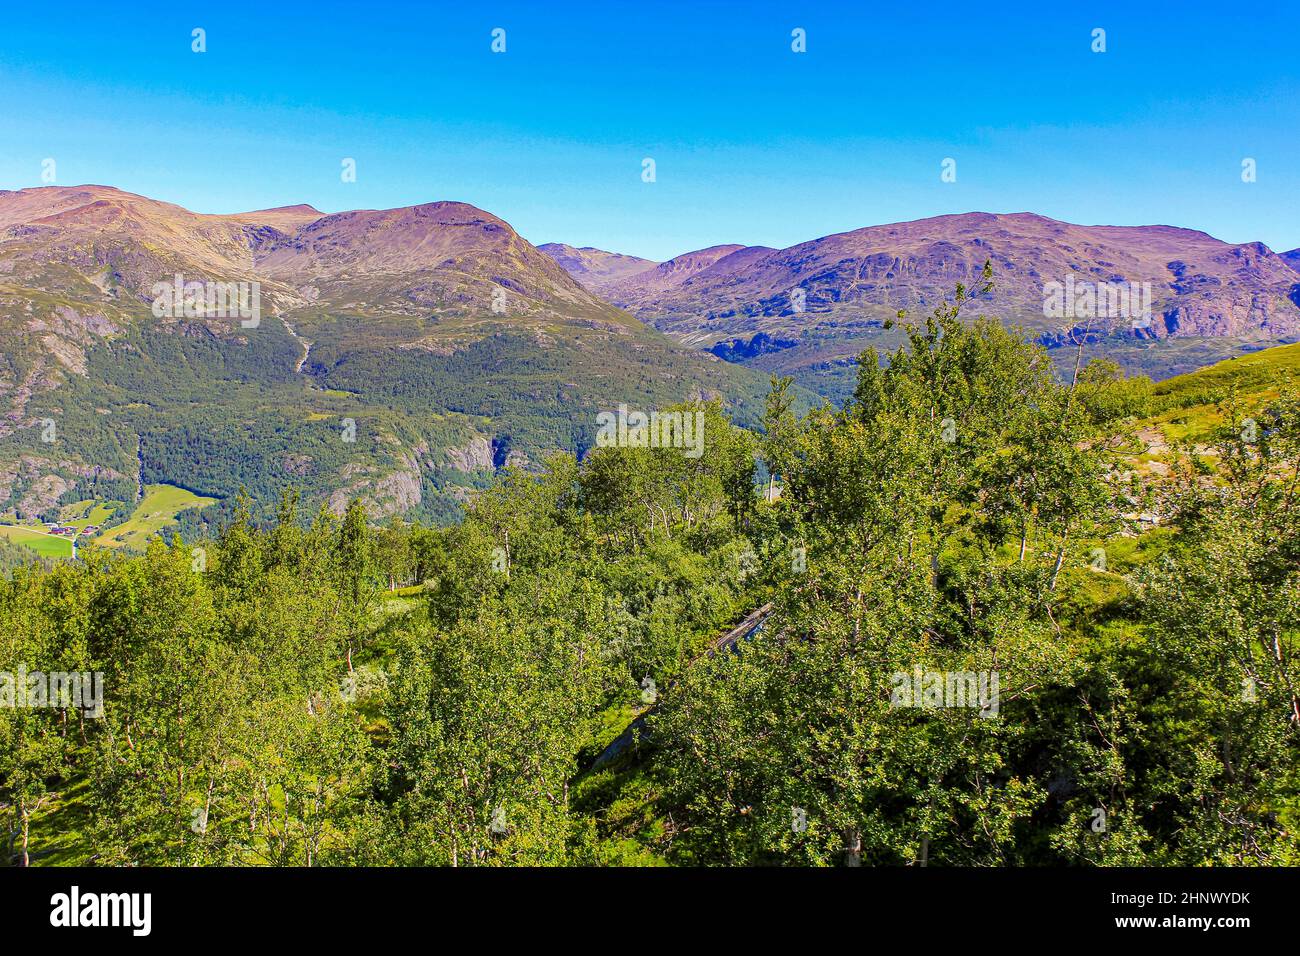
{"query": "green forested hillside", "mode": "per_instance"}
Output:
(397, 356)
(316, 690)
(216, 416)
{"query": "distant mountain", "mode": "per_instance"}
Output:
(647, 289)
(400, 355)
(825, 300)
(593, 268)
(1292, 259)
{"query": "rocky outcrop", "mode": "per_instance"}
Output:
(42, 495)
(474, 455)
(399, 491)
(40, 482)
(296, 465)
(383, 493)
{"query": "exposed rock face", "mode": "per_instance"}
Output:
(383, 493)
(296, 465)
(67, 334)
(42, 481)
(43, 493)
(738, 350)
(10, 472)
(39, 377)
(398, 491)
(475, 455)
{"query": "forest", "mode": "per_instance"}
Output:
(307, 690)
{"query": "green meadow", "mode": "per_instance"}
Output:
(46, 545)
(159, 508)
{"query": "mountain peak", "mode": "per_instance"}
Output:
(595, 268)
(445, 334)
(300, 207)
(674, 273)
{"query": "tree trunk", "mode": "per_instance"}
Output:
(857, 616)
(1281, 669)
(852, 846)
(925, 839)
(1060, 560)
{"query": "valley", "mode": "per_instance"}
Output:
(661, 626)
(562, 440)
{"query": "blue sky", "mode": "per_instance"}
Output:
(752, 143)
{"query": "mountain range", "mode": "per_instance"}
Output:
(403, 355)
(400, 355)
(810, 309)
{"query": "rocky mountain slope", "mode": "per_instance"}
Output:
(397, 355)
(810, 308)
(593, 268)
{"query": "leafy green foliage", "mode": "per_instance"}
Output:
(543, 683)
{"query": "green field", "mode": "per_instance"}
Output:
(161, 505)
(46, 545)
(81, 513)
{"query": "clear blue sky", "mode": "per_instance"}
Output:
(753, 143)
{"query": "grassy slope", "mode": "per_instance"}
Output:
(1254, 373)
(161, 505)
(81, 513)
(1189, 404)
